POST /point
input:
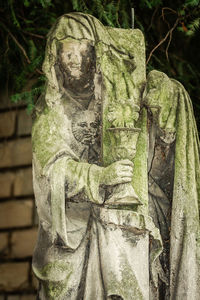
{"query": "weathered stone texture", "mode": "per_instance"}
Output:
(23, 242)
(15, 153)
(14, 276)
(6, 182)
(16, 213)
(23, 183)
(24, 123)
(7, 123)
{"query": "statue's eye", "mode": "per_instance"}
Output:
(68, 55)
(94, 124)
(83, 124)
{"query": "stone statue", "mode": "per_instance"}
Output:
(116, 171)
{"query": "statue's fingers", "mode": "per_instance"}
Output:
(127, 169)
(126, 179)
(126, 173)
(126, 162)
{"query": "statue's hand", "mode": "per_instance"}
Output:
(118, 172)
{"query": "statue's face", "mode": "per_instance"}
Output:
(77, 61)
(72, 57)
(84, 127)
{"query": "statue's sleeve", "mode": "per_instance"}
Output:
(58, 174)
(174, 181)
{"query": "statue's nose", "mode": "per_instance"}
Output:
(77, 58)
(87, 129)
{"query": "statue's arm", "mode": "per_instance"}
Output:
(88, 178)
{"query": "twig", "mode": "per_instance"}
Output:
(154, 13)
(7, 44)
(169, 33)
(34, 34)
(18, 44)
(170, 38)
(117, 13)
(39, 71)
(168, 8)
(163, 15)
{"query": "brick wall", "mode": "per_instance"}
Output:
(18, 220)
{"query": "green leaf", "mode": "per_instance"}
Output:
(32, 50)
(191, 3)
(182, 12)
(15, 21)
(26, 3)
(45, 3)
(75, 5)
(150, 4)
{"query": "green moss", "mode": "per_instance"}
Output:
(47, 136)
(57, 267)
(128, 287)
(55, 290)
(54, 276)
(121, 82)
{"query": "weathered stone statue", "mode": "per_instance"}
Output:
(116, 171)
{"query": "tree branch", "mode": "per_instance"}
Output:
(169, 33)
(18, 44)
(34, 34)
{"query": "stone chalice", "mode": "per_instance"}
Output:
(123, 146)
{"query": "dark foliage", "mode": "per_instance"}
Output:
(171, 29)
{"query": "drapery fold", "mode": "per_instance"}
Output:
(176, 118)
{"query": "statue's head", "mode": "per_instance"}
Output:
(85, 126)
(76, 63)
(77, 57)
(81, 52)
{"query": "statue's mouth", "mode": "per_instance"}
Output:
(75, 66)
(87, 139)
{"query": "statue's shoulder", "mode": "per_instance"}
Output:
(156, 79)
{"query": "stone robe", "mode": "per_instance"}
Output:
(84, 250)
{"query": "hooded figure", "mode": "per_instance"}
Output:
(174, 184)
(87, 249)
